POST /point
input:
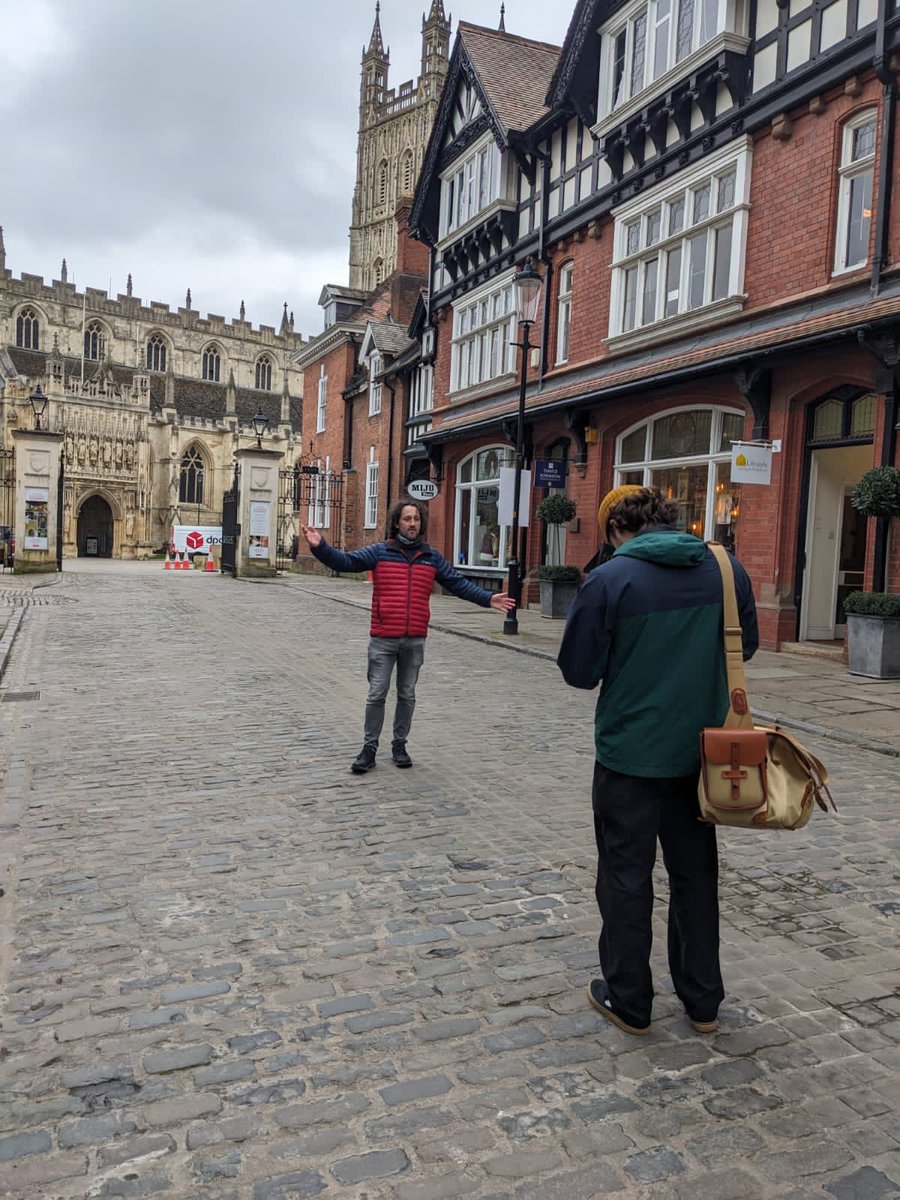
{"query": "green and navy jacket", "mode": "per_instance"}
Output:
(402, 579)
(648, 623)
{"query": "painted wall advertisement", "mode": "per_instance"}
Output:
(259, 529)
(37, 505)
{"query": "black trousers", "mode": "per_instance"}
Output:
(630, 813)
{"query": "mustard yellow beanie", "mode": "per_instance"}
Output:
(611, 500)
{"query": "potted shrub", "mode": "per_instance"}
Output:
(559, 585)
(555, 510)
(878, 493)
(873, 634)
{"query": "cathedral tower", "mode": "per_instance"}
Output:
(394, 127)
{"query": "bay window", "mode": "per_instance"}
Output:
(421, 402)
(470, 185)
(483, 328)
(681, 248)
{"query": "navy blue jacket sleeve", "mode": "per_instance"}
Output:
(584, 649)
(743, 590)
(458, 585)
(354, 560)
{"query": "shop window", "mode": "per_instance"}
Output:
(857, 170)
(687, 455)
(480, 541)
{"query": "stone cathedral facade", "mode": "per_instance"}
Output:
(394, 127)
(152, 404)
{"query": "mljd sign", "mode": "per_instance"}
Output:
(422, 489)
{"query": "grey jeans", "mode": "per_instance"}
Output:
(408, 653)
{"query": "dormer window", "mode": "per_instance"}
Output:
(471, 184)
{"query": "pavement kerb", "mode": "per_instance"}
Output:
(767, 718)
(12, 628)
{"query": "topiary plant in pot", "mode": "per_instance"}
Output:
(555, 510)
(559, 586)
(873, 618)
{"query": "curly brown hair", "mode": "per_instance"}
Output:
(647, 507)
(408, 502)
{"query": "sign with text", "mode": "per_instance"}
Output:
(508, 491)
(422, 489)
(258, 546)
(37, 502)
(751, 464)
(550, 472)
(196, 539)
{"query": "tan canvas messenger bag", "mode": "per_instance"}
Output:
(754, 776)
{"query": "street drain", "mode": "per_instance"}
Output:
(15, 697)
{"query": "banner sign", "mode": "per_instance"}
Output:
(550, 472)
(37, 502)
(750, 464)
(196, 539)
(258, 546)
(508, 491)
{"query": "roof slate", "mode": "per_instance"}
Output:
(515, 73)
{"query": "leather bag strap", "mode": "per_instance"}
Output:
(739, 715)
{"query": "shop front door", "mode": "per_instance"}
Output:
(95, 529)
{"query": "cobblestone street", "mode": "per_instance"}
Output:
(232, 970)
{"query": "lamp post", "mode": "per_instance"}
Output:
(38, 403)
(528, 283)
(260, 424)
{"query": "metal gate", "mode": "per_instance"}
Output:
(60, 497)
(308, 495)
(7, 508)
(230, 527)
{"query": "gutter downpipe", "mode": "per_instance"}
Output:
(885, 169)
(390, 446)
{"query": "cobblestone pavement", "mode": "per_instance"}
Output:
(234, 971)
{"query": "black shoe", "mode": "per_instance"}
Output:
(365, 760)
(598, 994)
(399, 755)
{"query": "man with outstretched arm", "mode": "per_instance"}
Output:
(404, 571)
(648, 624)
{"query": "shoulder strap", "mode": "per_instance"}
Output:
(739, 715)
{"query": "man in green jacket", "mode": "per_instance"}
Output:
(648, 624)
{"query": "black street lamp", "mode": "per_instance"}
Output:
(528, 283)
(38, 403)
(260, 424)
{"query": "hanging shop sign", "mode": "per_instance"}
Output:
(750, 463)
(422, 489)
(550, 472)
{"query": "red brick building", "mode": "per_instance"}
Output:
(711, 206)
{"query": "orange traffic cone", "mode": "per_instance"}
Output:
(182, 564)
(168, 566)
(210, 564)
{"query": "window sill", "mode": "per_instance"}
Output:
(709, 50)
(670, 327)
(477, 390)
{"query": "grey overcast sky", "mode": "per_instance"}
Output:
(202, 144)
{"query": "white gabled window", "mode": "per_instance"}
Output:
(564, 312)
(470, 185)
(857, 170)
(376, 366)
(321, 400)
(371, 517)
(649, 38)
(483, 328)
(681, 247)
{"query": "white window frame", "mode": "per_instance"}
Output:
(648, 242)
(370, 520)
(716, 24)
(376, 366)
(564, 312)
(319, 510)
(626, 472)
(421, 402)
(471, 184)
(849, 172)
(468, 556)
(484, 328)
(321, 400)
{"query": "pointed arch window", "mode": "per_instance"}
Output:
(211, 363)
(407, 175)
(382, 183)
(264, 374)
(377, 272)
(28, 330)
(94, 341)
(156, 353)
(190, 490)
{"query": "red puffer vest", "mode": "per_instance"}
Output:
(401, 591)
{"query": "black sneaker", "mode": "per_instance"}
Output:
(598, 994)
(365, 760)
(399, 754)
